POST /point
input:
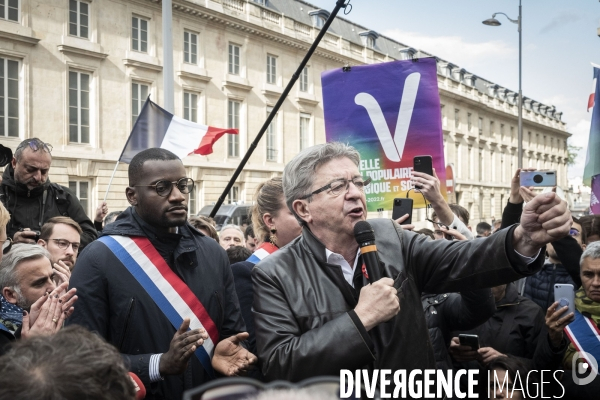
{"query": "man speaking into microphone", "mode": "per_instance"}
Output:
(316, 312)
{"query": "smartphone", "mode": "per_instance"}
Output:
(564, 293)
(401, 207)
(538, 178)
(423, 164)
(469, 340)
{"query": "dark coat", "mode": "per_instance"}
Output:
(450, 312)
(113, 303)
(514, 328)
(243, 287)
(304, 308)
(540, 287)
(25, 206)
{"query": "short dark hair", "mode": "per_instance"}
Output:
(72, 364)
(591, 226)
(237, 254)
(513, 367)
(483, 227)
(48, 226)
(460, 212)
(137, 162)
(249, 232)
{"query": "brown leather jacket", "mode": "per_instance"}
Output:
(304, 308)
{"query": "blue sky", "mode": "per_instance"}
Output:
(559, 42)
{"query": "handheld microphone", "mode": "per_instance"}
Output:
(140, 389)
(365, 237)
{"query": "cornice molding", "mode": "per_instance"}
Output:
(63, 48)
(23, 39)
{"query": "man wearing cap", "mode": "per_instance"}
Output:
(31, 199)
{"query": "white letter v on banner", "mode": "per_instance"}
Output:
(392, 147)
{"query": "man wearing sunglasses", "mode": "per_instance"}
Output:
(32, 199)
(315, 311)
(151, 276)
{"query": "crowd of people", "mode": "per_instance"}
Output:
(148, 300)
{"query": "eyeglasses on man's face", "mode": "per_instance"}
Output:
(341, 185)
(164, 188)
(64, 244)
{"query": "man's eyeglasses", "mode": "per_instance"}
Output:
(337, 186)
(574, 232)
(164, 188)
(64, 244)
(6, 245)
(35, 145)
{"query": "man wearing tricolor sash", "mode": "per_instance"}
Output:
(158, 289)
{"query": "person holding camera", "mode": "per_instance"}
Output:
(32, 199)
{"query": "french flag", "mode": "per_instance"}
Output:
(156, 127)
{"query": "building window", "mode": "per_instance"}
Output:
(139, 94)
(9, 98)
(304, 80)
(481, 165)
(233, 121)
(78, 18)
(512, 134)
(469, 122)
(81, 189)
(502, 132)
(271, 69)
(139, 34)
(318, 20)
(9, 9)
(192, 202)
(444, 119)
(272, 137)
(190, 106)
(304, 130)
(370, 42)
(471, 162)
(456, 118)
(79, 107)
(234, 59)
(492, 132)
(190, 47)
(480, 126)
(234, 195)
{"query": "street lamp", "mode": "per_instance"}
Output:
(494, 22)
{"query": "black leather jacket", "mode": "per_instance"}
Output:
(304, 308)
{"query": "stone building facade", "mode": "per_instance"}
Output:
(76, 72)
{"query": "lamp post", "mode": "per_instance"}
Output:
(494, 22)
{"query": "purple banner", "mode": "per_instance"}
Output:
(390, 113)
(595, 195)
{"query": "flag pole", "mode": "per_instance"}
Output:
(111, 179)
(338, 5)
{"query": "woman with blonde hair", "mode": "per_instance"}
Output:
(274, 227)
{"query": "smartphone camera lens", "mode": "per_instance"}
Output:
(538, 178)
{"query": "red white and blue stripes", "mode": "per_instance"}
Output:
(585, 336)
(169, 292)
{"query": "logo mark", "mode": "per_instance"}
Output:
(589, 365)
(393, 147)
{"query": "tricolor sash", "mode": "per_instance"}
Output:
(169, 292)
(262, 252)
(585, 336)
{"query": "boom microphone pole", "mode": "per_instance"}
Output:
(338, 5)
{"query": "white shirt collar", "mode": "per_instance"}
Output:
(338, 259)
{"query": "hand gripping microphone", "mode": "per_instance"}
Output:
(365, 236)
